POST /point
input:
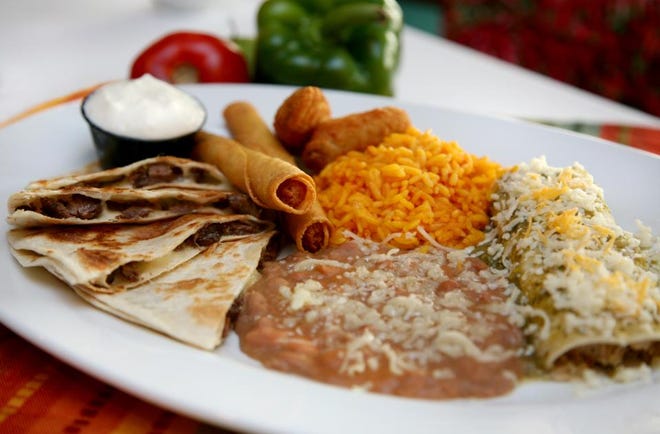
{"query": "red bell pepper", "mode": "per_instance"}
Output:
(190, 57)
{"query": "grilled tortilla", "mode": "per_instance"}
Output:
(151, 173)
(91, 205)
(191, 302)
(149, 190)
(112, 258)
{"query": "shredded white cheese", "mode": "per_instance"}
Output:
(398, 312)
(554, 234)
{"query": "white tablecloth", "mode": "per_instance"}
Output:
(51, 48)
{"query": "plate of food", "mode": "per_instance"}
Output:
(326, 261)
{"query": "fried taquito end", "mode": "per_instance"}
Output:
(354, 132)
(298, 116)
(271, 182)
(310, 231)
(248, 128)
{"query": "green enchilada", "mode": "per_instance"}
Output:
(591, 287)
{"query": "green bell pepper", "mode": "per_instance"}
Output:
(340, 44)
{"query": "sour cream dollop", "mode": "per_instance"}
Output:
(145, 108)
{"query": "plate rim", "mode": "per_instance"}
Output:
(80, 360)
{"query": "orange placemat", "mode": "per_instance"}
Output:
(645, 138)
(39, 394)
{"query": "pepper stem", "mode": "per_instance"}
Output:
(357, 14)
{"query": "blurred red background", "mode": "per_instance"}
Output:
(608, 47)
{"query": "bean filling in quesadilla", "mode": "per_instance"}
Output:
(90, 205)
(166, 243)
(148, 190)
(112, 258)
(151, 173)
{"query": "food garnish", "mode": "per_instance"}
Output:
(192, 57)
(144, 108)
(351, 45)
(135, 119)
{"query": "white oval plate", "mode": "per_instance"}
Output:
(228, 389)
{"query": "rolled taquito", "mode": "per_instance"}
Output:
(271, 182)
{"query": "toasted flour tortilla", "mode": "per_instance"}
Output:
(86, 206)
(150, 173)
(190, 303)
(113, 258)
(149, 190)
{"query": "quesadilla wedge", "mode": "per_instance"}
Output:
(191, 302)
(113, 258)
(148, 190)
(91, 205)
(151, 173)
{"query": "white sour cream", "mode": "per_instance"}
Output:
(145, 108)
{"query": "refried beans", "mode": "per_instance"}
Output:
(435, 324)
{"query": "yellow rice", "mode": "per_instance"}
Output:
(410, 181)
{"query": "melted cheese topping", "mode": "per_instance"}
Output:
(554, 233)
